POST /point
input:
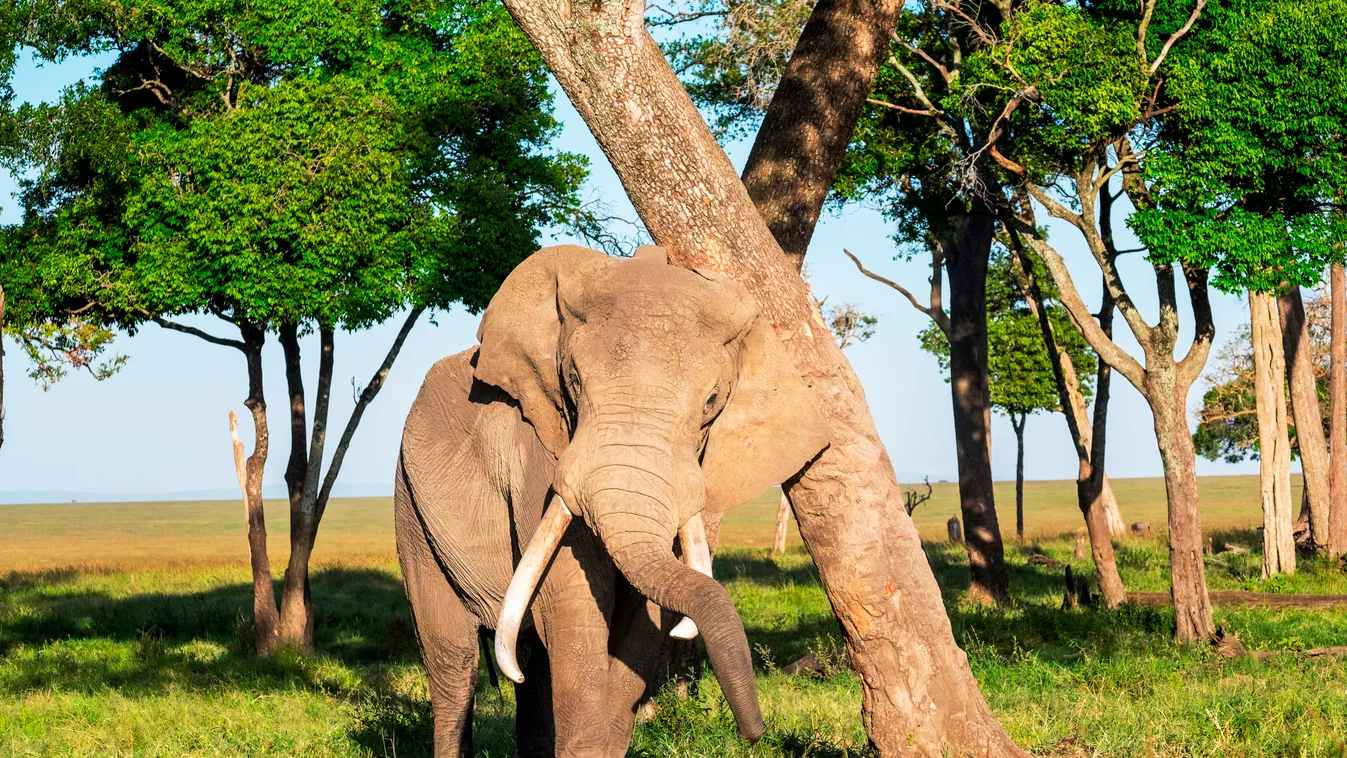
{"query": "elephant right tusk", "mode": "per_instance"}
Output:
(527, 574)
(697, 555)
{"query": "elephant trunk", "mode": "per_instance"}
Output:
(643, 553)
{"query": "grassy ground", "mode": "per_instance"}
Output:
(146, 656)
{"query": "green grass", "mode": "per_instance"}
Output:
(144, 653)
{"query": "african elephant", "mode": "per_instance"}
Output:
(636, 395)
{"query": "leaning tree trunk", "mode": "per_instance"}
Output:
(1188, 575)
(1274, 456)
(1305, 411)
(809, 122)
(1093, 493)
(782, 523)
(1337, 446)
(919, 696)
(967, 252)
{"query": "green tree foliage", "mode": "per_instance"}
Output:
(1252, 169)
(288, 166)
(1020, 369)
(325, 163)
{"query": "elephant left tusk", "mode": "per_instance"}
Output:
(697, 555)
(527, 574)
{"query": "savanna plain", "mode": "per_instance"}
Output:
(124, 628)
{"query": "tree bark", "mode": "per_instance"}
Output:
(809, 122)
(1093, 493)
(266, 620)
(967, 251)
(1274, 456)
(1337, 446)
(1306, 413)
(1188, 575)
(782, 521)
(302, 478)
(919, 696)
(1019, 473)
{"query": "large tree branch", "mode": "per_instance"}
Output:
(1112, 278)
(809, 122)
(933, 311)
(1204, 330)
(195, 332)
(1107, 349)
(367, 396)
(1169, 43)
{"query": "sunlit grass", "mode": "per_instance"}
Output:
(149, 657)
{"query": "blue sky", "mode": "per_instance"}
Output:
(160, 425)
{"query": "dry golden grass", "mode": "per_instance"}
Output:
(106, 535)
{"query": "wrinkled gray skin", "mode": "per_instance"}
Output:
(641, 393)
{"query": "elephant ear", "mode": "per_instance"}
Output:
(520, 335)
(769, 429)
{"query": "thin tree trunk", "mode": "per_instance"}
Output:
(967, 252)
(782, 521)
(1093, 494)
(808, 124)
(308, 487)
(1188, 575)
(1019, 473)
(919, 696)
(1306, 413)
(1337, 446)
(297, 627)
(266, 620)
(1274, 457)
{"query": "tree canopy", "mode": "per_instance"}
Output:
(325, 162)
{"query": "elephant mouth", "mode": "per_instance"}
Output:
(533, 564)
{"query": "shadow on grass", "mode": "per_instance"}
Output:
(56, 633)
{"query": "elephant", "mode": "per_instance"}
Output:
(641, 396)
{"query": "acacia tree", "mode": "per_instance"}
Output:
(847, 500)
(1019, 365)
(392, 158)
(1136, 107)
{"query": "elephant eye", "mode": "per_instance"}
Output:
(710, 404)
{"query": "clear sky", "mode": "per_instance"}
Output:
(160, 425)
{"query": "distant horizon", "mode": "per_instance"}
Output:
(379, 489)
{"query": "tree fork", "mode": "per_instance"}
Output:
(919, 696)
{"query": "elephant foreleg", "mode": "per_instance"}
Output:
(446, 630)
(576, 605)
(640, 646)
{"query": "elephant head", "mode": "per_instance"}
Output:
(663, 393)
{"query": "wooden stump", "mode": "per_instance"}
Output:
(955, 532)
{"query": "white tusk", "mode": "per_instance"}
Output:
(525, 580)
(697, 555)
